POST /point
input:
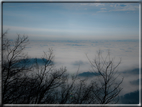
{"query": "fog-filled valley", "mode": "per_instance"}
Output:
(72, 54)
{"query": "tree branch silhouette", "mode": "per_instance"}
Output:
(108, 86)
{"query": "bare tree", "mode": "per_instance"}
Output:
(23, 83)
(108, 86)
(11, 56)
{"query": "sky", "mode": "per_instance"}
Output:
(51, 21)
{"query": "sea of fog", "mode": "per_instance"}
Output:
(72, 55)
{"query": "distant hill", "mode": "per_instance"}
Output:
(130, 98)
(134, 71)
(88, 74)
(31, 61)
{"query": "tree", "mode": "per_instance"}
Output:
(12, 53)
(23, 83)
(107, 87)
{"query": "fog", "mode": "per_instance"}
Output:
(72, 55)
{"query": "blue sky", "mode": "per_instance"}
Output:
(72, 20)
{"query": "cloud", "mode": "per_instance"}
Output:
(97, 4)
(49, 32)
(103, 8)
(135, 82)
(74, 45)
(79, 63)
(92, 4)
(110, 7)
(124, 7)
(114, 6)
(33, 29)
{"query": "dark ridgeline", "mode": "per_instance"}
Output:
(130, 98)
(31, 61)
(89, 74)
